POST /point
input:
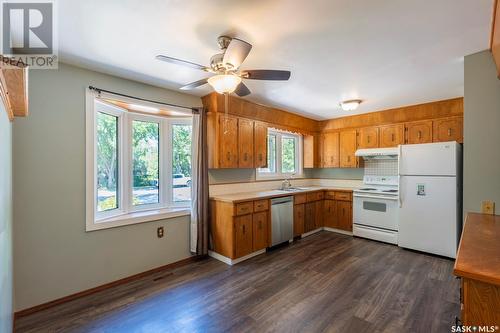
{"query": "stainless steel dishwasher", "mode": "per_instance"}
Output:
(281, 220)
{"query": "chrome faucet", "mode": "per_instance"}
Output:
(285, 184)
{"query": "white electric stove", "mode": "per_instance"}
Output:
(376, 209)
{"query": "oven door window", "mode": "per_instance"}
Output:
(375, 206)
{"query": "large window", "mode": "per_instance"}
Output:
(138, 166)
(284, 155)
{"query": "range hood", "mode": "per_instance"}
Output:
(378, 153)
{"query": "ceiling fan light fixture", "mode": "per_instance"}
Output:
(350, 105)
(224, 83)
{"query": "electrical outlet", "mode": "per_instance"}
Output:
(488, 207)
(160, 232)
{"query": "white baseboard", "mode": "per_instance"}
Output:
(343, 232)
(309, 233)
(230, 261)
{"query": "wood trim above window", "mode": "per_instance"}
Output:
(14, 89)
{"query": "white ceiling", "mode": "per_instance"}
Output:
(389, 53)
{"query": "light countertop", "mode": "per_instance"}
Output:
(267, 194)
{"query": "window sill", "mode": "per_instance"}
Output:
(138, 217)
(277, 177)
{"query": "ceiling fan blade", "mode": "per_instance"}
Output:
(181, 62)
(236, 52)
(266, 74)
(242, 90)
(194, 84)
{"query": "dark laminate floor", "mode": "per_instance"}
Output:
(325, 282)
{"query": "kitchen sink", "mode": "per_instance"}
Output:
(294, 189)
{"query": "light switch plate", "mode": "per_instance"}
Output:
(488, 207)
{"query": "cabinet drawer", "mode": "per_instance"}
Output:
(330, 195)
(260, 205)
(343, 196)
(244, 208)
(314, 196)
(299, 199)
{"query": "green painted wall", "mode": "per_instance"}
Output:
(54, 256)
(6, 267)
(481, 134)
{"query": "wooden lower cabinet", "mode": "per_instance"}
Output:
(318, 214)
(243, 235)
(298, 219)
(260, 225)
(344, 215)
(480, 303)
(330, 214)
(309, 216)
(238, 229)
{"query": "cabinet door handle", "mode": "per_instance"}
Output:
(228, 156)
(331, 159)
(419, 134)
(245, 156)
(260, 157)
(392, 137)
(368, 139)
(348, 158)
(449, 131)
(243, 229)
(260, 225)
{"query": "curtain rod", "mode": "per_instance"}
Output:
(144, 99)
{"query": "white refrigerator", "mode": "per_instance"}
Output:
(430, 213)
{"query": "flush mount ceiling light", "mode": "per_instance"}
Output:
(224, 83)
(350, 105)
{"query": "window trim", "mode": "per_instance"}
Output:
(299, 159)
(127, 213)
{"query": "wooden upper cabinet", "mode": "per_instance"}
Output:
(228, 141)
(331, 150)
(368, 137)
(243, 235)
(347, 149)
(448, 129)
(419, 132)
(309, 152)
(391, 135)
(260, 145)
(245, 143)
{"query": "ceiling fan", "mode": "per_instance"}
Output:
(225, 66)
